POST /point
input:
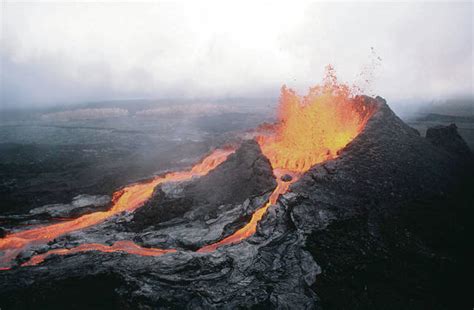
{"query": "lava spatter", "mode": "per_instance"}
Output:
(312, 129)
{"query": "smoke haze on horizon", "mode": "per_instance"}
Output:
(71, 52)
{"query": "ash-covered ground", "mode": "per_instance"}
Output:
(385, 225)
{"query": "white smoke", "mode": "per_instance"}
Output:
(67, 51)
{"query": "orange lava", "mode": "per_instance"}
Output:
(119, 246)
(127, 199)
(312, 129)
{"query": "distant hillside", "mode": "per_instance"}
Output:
(148, 107)
(434, 117)
(454, 107)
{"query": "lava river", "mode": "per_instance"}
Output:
(127, 199)
(309, 130)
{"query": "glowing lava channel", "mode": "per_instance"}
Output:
(127, 199)
(119, 246)
(249, 229)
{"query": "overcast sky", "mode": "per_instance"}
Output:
(64, 52)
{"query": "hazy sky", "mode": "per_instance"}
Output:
(64, 52)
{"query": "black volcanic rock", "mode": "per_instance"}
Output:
(448, 138)
(3, 232)
(286, 178)
(246, 173)
(375, 228)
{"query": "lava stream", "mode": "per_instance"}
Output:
(127, 199)
(119, 246)
(250, 228)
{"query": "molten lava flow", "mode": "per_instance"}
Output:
(119, 246)
(127, 199)
(314, 128)
(309, 130)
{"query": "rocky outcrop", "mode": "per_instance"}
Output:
(448, 138)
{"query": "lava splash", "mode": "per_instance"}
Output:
(313, 128)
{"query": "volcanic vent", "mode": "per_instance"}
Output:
(314, 128)
(234, 227)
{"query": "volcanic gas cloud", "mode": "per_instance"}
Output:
(309, 130)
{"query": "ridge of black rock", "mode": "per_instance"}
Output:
(245, 174)
(448, 138)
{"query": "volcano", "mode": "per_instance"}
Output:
(277, 221)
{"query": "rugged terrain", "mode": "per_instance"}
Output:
(384, 225)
